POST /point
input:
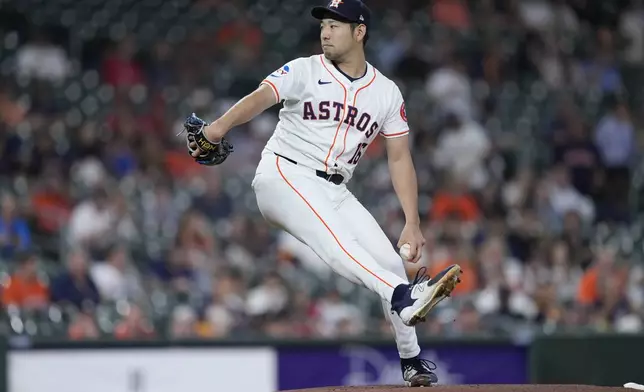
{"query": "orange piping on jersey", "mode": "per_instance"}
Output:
(277, 94)
(355, 99)
(344, 112)
(395, 134)
(277, 162)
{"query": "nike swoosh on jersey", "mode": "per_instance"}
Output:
(320, 82)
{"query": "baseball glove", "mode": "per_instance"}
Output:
(212, 154)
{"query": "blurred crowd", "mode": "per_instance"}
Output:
(526, 119)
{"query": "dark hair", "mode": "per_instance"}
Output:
(354, 26)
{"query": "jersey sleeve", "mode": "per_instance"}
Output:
(284, 81)
(396, 123)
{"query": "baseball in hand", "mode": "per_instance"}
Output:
(405, 252)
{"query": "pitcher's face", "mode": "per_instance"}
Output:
(337, 38)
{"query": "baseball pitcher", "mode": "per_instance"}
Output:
(334, 106)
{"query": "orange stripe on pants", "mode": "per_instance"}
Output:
(277, 162)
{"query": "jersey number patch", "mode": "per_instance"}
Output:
(358, 154)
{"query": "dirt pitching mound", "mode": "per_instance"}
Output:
(473, 388)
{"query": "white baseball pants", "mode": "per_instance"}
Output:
(334, 224)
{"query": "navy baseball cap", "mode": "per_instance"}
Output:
(352, 11)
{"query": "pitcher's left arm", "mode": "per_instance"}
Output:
(395, 130)
(403, 178)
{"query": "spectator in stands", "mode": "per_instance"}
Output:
(602, 289)
(83, 327)
(134, 325)
(575, 237)
(175, 272)
(225, 310)
(11, 143)
(217, 321)
(240, 32)
(496, 267)
(194, 256)
(160, 70)
(562, 272)
(116, 278)
(601, 70)
(563, 197)
(87, 142)
(454, 201)
(228, 297)
(336, 317)
(214, 203)
(92, 222)
(39, 58)
(161, 212)
(631, 28)
(452, 13)
(461, 150)
(467, 322)
(14, 231)
(491, 202)
(89, 172)
(615, 139)
(449, 88)
(270, 297)
(454, 250)
(12, 112)
(124, 228)
(42, 155)
(503, 287)
(120, 68)
(304, 314)
(120, 158)
(277, 327)
(581, 156)
(246, 241)
(24, 288)
(524, 233)
(183, 322)
(51, 204)
(548, 16)
(75, 286)
(518, 192)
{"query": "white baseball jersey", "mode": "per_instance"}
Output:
(328, 121)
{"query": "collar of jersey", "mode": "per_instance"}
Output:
(366, 69)
(341, 76)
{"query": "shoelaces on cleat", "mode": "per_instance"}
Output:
(421, 277)
(427, 364)
(424, 364)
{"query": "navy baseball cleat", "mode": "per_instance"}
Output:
(418, 372)
(413, 301)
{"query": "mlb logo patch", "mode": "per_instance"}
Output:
(281, 72)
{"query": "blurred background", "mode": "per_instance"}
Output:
(527, 125)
